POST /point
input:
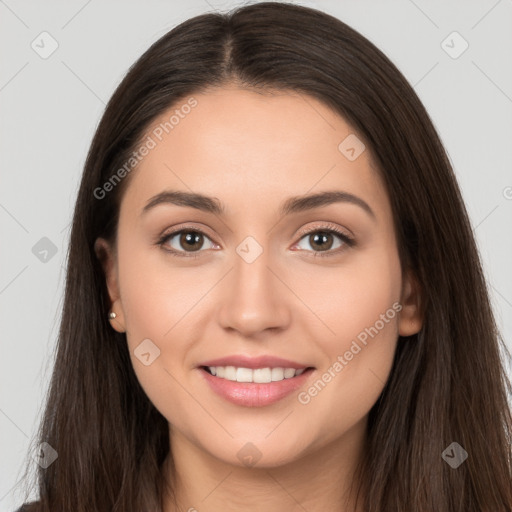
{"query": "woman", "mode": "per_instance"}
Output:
(274, 299)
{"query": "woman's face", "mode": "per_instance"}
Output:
(255, 273)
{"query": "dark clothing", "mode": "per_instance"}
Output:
(33, 506)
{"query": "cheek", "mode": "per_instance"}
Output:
(364, 304)
(162, 302)
(363, 319)
(157, 294)
(355, 296)
(155, 301)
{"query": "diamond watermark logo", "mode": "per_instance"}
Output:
(146, 352)
(249, 249)
(249, 455)
(44, 250)
(454, 455)
(45, 455)
(454, 45)
(351, 147)
(44, 45)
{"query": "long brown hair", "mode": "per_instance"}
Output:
(447, 384)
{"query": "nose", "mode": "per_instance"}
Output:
(254, 297)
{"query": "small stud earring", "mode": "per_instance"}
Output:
(112, 315)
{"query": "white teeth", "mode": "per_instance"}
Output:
(277, 374)
(243, 375)
(230, 373)
(289, 372)
(262, 375)
(258, 375)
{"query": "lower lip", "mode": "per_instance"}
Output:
(251, 394)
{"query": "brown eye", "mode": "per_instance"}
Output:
(184, 241)
(323, 240)
(191, 240)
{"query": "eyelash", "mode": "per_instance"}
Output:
(330, 229)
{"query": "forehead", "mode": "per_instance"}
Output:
(238, 144)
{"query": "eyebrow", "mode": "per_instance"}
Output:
(291, 205)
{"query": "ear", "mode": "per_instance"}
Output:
(107, 257)
(411, 315)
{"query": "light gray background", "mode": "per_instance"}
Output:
(51, 107)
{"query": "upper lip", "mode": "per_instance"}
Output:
(264, 361)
